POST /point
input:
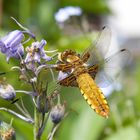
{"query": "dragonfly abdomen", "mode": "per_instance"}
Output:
(93, 94)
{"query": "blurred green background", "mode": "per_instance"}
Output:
(82, 123)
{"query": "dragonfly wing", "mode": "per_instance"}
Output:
(100, 77)
(110, 69)
(99, 48)
(116, 62)
(92, 70)
(63, 67)
(103, 41)
(103, 80)
(68, 80)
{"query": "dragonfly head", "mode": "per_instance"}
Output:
(68, 56)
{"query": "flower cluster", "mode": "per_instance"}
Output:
(33, 62)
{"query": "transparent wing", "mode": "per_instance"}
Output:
(103, 80)
(111, 68)
(98, 49)
(115, 63)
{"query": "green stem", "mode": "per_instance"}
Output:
(55, 126)
(36, 124)
(44, 124)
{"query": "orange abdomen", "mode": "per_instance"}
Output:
(93, 94)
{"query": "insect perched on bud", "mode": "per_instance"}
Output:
(7, 92)
(57, 113)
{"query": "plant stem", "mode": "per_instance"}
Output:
(55, 126)
(43, 124)
(17, 115)
(36, 124)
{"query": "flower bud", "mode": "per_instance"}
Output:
(57, 113)
(43, 104)
(6, 131)
(7, 92)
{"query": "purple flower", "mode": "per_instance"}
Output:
(36, 52)
(11, 45)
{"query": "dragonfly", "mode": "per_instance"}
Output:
(91, 70)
